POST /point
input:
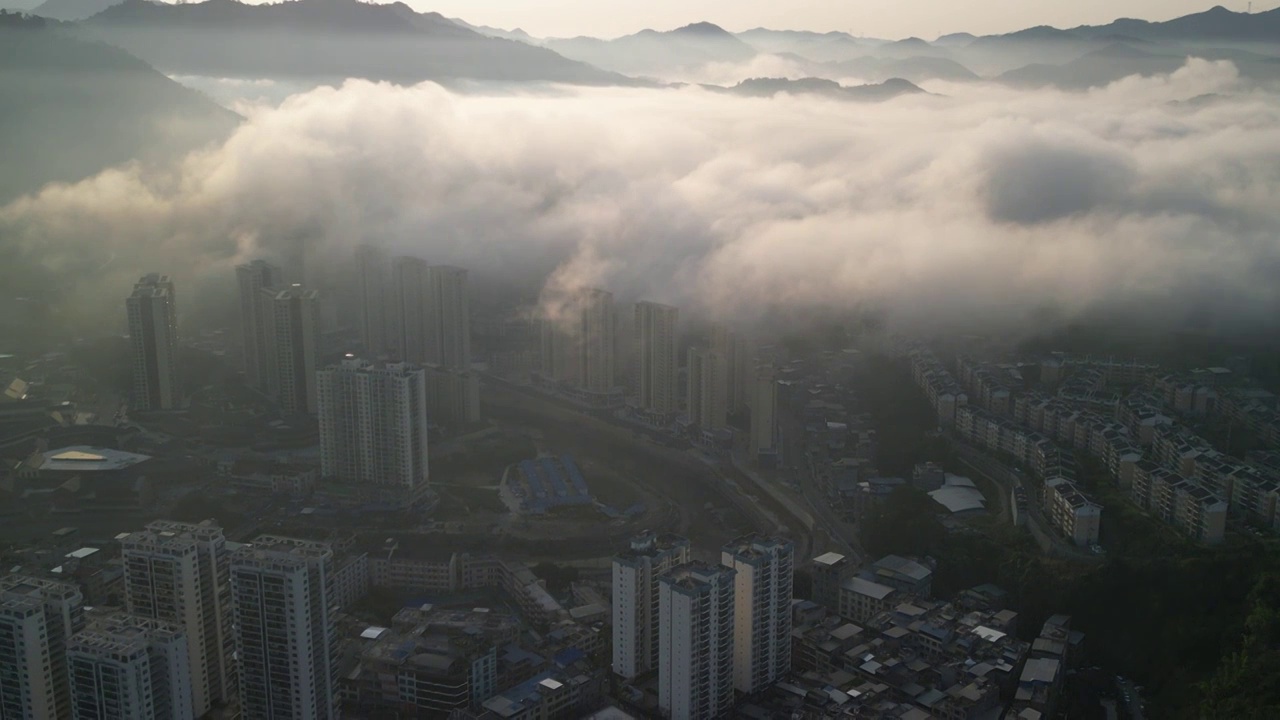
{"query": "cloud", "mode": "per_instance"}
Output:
(971, 209)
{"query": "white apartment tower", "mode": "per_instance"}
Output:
(373, 424)
(657, 344)
(708, 389)
(252, 279)
(125, 667)
(178, 573)
(735, 349)
(294, 355)
(635, 599)
(283, 595)
(696, 641)
(37, 617)
(372, 298)
(762, 615)
(153, 339)
(764, 408)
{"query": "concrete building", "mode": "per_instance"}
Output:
(373, 425)
(764, 568)
(124, 667)
(578, 342)
(408, 309)
(294, 355)
(1074, 514)
(636, 571)
(453, 397)
(448, 315)
(153, 340)
(37, 617)
(657, 344)
(862, 599)
(696, 642)
(764, 409)
(282, 594)
(252, 279)
(708, 402)
(738, 360)
(372, 295)
(830, 570)
(177, 573)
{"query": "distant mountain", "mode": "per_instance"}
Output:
(517, 34)
(73, 108)
(915, 69)
(652, 52)
(72, 9)
(1215, 25)
(325, 40)
(19, 5)
(820, 47)
(1119, 60)
(955, 40)
(768, 87)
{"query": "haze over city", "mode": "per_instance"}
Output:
(497, 360)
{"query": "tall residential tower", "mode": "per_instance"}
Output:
(696, 642)
(373, 425)
(762, 617)
(635, 599)
(153, 338)
(252, 279)
(657, 344)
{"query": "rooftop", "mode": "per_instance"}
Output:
(84, 458)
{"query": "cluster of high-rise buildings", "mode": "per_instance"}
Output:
(581, 352)
(708, 630)
(203, 624)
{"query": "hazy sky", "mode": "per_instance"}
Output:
(879, 18)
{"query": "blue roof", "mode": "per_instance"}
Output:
(569, 656)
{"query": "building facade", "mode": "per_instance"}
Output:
(153, 340)
(252, 278)
(708, 401)
(657, 344)
(696, 641)
(124, 667)
(373, 425)
(282, 594)
(636, 571)
(294, 355)
(37, 617)
(177, 573)
(764, 568)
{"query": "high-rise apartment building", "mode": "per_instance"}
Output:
(696, 642)
(408, 309)
(448, 317)
(283, 595)
(372, 295)
(252, 279)
(579, 343)
(294, 354)
(657, 345)
(635, 599)
(764, 409)
(177, 573)
(708, 389)
(153, 340)
(762, 616)
(738, 360)
(37, 617)
(598, 340)
(373, 425)
(124, 667)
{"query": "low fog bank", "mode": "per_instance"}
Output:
(983, 208)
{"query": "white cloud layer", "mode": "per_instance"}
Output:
(982, 205)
